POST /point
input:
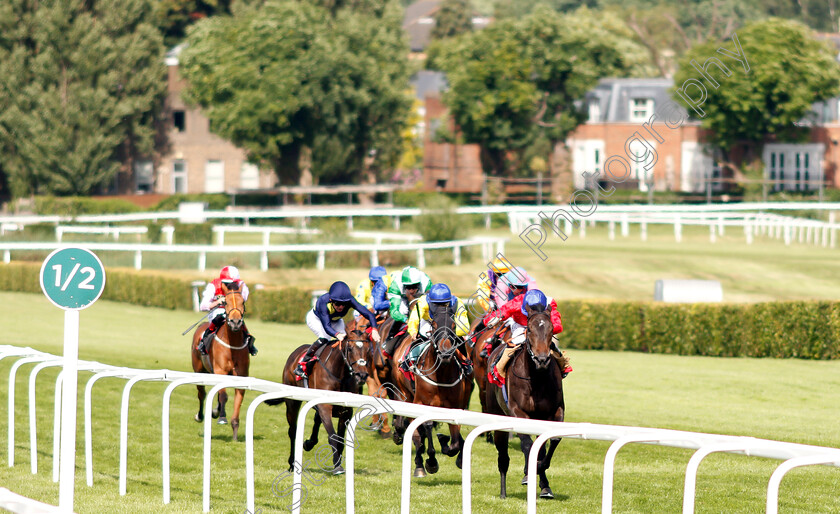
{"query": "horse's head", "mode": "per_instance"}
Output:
(540, 331)
(356, 351)
(443, 336)
(234, 306)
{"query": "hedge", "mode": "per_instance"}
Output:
(803, 329)
(287, 305)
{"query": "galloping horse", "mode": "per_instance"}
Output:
(534, 387)
(340, 367)
(440, 381)
(492, 337)
(228, 355)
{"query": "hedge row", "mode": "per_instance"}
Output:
(808, 330)
(805, 329)
(288, 305)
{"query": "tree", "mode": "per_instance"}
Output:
(788, 70)
(81, 84)
(174, 16)
(454, 17)
(520, 80)
(292, 78)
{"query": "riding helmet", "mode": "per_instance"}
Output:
(440, 293)
(517, 277)
(411, 275)
(536, 300)
(376, 273)
(229, 273)
(340, 292)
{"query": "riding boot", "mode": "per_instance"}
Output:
(249, 340)
(207, 339)
(563, 360)
(302, 371)
(497, 372)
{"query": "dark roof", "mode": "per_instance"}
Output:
(415, 23)
(420, 9)
(614, 96)
(428, 82)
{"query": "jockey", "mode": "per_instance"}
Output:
(420, 319)
(213, 299)
(365, 287)
(488, 283)
(516, 315)
(379, 294)
(515, 282)
(409, 279)
(326, 321)
(516, 278)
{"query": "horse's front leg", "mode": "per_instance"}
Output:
(418, 438)
(313, 437)
(237, 404)
(219, 411)
(202, 394)
(500, 439)
(431, 462)
(336, 442)
(380, 421)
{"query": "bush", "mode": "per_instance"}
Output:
(215, 202)
(76, 205)
(439, 222)
(193, 233)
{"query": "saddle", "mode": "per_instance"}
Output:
(390, 344)
(306, 365)
(408, 363)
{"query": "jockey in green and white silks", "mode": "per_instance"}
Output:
(408, 280)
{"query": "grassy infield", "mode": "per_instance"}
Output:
(788, 400)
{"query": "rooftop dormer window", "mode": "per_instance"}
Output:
(640, 109)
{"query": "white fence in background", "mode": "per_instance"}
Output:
(60, 230)
(793, 455)
(267, 231)
(487, 245)
(788, 229)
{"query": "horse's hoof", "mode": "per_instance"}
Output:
(385, 435)
(459, 461)
(398, 439)
(489, 437)
(524, 479)
(222, 421)
(338, 470)
(432, 466)
(419, 473)
(198, 418)
(546, 493)
(308, 445)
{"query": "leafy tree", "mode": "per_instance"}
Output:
(454, 17)
(174, 16)
(518, 80)
(788, 71)
(292, 78)
(81, 84)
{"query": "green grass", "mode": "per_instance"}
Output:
(790, 400)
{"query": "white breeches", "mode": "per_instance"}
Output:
(315, 325)
(517, 332)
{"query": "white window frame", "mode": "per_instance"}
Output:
(780, 163)
(249, 177)
(213, 184)
(594, 111)
(640, 109)
(176, 175)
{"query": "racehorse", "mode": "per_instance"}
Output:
(440, 381)
(534, 388)
(227, 355)
(342, 366)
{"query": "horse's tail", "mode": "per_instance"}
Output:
(275, 401)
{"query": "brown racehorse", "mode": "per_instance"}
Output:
(340, 367)
(227, 355)
(440, 381)
(534, 386)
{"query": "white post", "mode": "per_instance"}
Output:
(567, 226)
(421, 258)
(677, 229)
(7, 256)
(711, 233)
(643, 229)
(720, 226)
(456, 255)
(321, 258)
(266, 237)
(583, 230)
(67, 465)
(612, 230)
(138, 259)
(748, 232)
(221, 236)
(58, 233)
(202, 261)
(787, 234)
(170, 232)
(264, 261)
(374, 258)
(625, 226)
(396, 222)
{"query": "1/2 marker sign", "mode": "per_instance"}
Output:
(72, 278)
